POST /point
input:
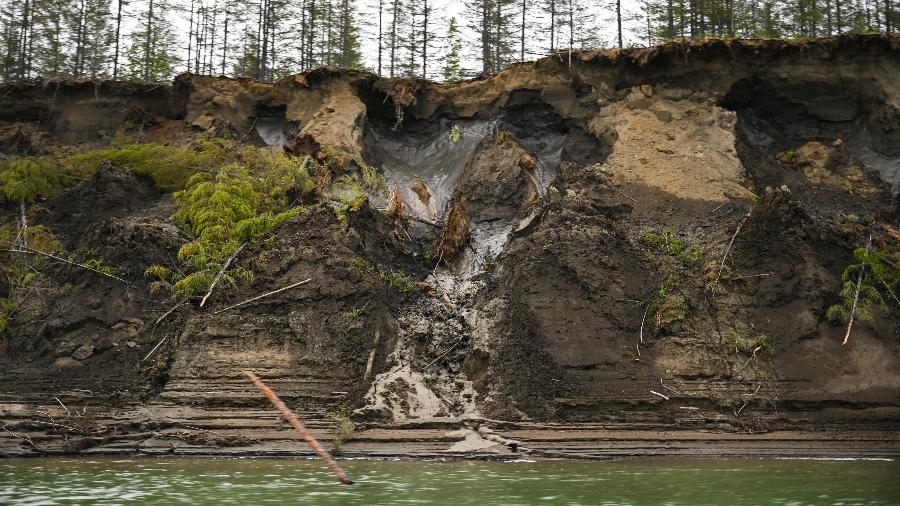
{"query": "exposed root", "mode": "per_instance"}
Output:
(455, 235)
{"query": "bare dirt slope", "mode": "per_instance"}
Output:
(587, 283)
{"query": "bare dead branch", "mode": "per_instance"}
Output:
(654, 392)
(730, 243)
(641, 336)
(862, 268)
(752, 276)
(25, 250)
(371, 360)
(23, 438)
(161, 341)
(676, 392)
(221, 273)
(307, 280)
(63, 405)
(167, 313)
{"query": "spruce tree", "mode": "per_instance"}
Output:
(452, 67)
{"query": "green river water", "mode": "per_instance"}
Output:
(616, 482)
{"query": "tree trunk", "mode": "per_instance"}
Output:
(394, 11)
(380, 33)
(24, 42)
(424, 39)
(553, 25)
(24, 223)
(225, 40)
(118, 39)
(486, 38)
(619, 20)
(190, 36)
(79, 42)
(571, 31)
(522, 41)
(147, 47)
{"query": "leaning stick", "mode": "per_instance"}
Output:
(862, 268)
(654, 392)
(221, 272)
(730, 243)
(298, 425)
(273, 292)
(641, 336)
(26, 250)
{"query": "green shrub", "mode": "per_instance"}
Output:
(26, 179)
(395, 279)
(880, 280)
(665, 241)
(344, 427)
(669, 305)
(360, 267)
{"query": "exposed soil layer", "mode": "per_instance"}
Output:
(646, 241)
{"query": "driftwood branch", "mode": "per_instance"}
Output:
(298, 426)
(221, 273)
(23, 438)
(167, 313)
(161, 341)
(764, 274)
(670, 389)
(654, 392)
(731, 243)
(273, 292)
(641, 336)
(25, 250)
(859, 279)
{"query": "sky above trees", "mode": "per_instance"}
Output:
(267, 39)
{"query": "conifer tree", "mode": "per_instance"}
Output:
(452, 66)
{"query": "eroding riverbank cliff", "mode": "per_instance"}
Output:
(649, 239)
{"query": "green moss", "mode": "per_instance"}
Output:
(372, 180)
(173, 167)
(170, 167)
(242, 202)
(350, 196)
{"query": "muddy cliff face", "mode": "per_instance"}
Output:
(581, 217)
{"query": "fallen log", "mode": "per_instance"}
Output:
(298, 425)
